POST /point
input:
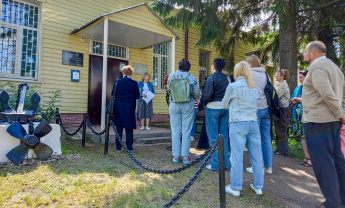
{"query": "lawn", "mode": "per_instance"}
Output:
(95, 180)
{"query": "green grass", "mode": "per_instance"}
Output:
(95, 180)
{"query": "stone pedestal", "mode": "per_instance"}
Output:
(7, 142)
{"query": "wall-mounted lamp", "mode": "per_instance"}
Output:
(82, 39)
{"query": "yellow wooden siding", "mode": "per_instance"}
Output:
(59, 18)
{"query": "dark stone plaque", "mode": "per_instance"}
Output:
(72, 58)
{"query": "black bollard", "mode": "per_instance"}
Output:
(57, 116)
(106, 142)
(83, 138)
(221, 171)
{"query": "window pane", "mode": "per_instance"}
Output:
(203, 66)
(8, 41)
(29, 53)
(19, 13)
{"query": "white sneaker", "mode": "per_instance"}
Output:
(142, 128)
(148, 128)
(268, 170)
(245, 149)
(192, 139)
(229, 190)
(257, 191)
(249, 169)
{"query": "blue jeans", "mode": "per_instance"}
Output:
(242, 133)
(266, 143)
(217, 123)
(194, 124)
(181, 121)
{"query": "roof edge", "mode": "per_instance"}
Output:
(75, 30)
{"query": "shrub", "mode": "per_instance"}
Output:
(47, 109)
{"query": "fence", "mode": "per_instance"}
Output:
(206, 157)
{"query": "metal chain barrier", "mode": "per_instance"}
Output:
(191, 181)
(92, 129)
(176, 170)
(63, 127)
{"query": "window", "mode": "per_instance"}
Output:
(115, 51)
(19, 37)
(203, 67)
(161, 66)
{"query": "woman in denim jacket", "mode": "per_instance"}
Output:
(145, 110)
(241, 98)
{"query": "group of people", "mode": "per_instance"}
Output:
(126, 91)
(239, 110)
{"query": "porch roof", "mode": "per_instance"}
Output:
(136, 27)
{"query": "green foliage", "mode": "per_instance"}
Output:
(47, 109)
(221, 23)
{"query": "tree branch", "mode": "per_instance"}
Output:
(258, 2)
(320, 7)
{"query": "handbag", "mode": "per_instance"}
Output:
(111, 104)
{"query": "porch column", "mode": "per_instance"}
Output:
(104, 76)
(172, 55)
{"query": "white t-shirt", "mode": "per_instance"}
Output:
(145, 88)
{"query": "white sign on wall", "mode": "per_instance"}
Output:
(139, 68)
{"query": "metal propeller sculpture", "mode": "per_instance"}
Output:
(29, 141)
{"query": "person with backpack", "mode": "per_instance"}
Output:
(217, 117)
(261, 80)
(184, 89)
(283, 91)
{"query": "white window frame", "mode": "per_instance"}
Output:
(203, 69)
(19, 45)
(127, 50)
(160, 75)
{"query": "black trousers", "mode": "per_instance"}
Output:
(323, 141)
(282, 138)
(129, 137)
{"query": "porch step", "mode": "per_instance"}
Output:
(148, 135)
(152, 140)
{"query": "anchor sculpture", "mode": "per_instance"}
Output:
(30, 140)
(9, 115)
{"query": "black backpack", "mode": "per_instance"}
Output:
(274, 106)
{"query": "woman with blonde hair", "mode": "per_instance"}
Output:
(241, 98)
(264, 119)
(145, 110)
(126, 92)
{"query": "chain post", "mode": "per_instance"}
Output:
(57, 116)
(106, 142)
(84, 131)
(221, 171)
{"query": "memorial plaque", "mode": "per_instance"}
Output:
(139, 68)
(72, 58)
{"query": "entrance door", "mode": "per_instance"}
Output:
(95, 84)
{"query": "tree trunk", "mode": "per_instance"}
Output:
(325, 34)
(288, 40)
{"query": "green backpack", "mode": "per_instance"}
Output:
(180, 89)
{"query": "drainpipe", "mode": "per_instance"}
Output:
(104, 75)
(172, 64)
(186, 45)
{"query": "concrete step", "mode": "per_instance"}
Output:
(152, 140)
(149, 135)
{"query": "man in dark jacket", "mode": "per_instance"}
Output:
(127, 92)
(217, 117)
